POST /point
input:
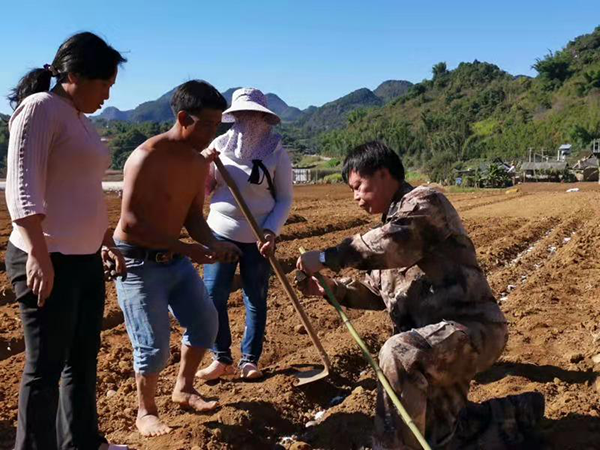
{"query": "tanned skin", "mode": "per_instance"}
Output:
(163, 192)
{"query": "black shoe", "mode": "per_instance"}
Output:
(529, 409)
(500, 423)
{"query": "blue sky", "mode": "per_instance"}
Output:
(308, 52)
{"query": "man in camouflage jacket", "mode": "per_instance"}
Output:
(422, 268)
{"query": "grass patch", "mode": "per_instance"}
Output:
(411, 176)
(485, 127)
(333, 178)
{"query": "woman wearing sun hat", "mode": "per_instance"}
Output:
(255, 158)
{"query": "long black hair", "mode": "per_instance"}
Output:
(84, 54)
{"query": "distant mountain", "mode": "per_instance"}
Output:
(477, 111)
(392, 89)
(160, 110)
(228, 94)
(329, 116)
(112, 113)
(282, 109)
(335, 114)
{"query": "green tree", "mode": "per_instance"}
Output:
(554, 68)
(3, 143)
(439, 70)
(356, 115)
(589, 80)
(123, 145)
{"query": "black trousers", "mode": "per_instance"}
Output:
(57, 400)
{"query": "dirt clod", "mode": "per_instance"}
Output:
(553, 315)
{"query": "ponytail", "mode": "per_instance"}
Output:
(84, 53)
(37, 80)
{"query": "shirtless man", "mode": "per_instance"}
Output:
(163, 192)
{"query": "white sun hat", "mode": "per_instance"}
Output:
(249, 99)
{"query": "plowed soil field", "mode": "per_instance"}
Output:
(539, 247)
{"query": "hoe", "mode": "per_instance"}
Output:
(301, 377)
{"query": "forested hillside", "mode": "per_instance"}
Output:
(479, 111)
(476, 111)
(3, 142)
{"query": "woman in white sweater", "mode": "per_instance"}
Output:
(255, 158)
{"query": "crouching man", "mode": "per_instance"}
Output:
(163, 192)
(422, 268)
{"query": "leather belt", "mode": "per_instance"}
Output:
(158, 256)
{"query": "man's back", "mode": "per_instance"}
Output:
(446, 282)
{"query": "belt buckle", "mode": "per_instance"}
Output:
(163, 257)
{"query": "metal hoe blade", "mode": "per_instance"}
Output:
(309, 376)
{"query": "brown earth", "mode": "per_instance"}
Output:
(538, 246)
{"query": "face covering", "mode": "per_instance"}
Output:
(250, 137)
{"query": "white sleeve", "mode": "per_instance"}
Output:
(284, 189)
(30, 139)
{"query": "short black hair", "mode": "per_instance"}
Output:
(195, 95)
(366, 159)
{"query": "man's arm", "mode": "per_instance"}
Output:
(420, 224)
(358, 294)
(198, 229)
(195, 224)
(347, 291)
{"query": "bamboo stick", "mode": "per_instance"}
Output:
(367, 354)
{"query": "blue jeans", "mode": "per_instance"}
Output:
(255, 271)
(150, 291)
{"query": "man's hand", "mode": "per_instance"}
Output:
(267, 249)
(225, 252)
(200, 254)
(113, 262)
(309, 263)
(40, 275)
(210, 154)
(310, 286)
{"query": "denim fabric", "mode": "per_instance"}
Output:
(255, 271)
(150, 291)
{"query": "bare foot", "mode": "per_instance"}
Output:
(192, 400)
(150, 425)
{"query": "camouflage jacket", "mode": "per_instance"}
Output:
(421, 263)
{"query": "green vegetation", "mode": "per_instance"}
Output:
(478, 111)
(475, 112)
(336, 114)
(3, 143)
(333, 178)
(412, 176)
(124, 137)
(317, 162)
